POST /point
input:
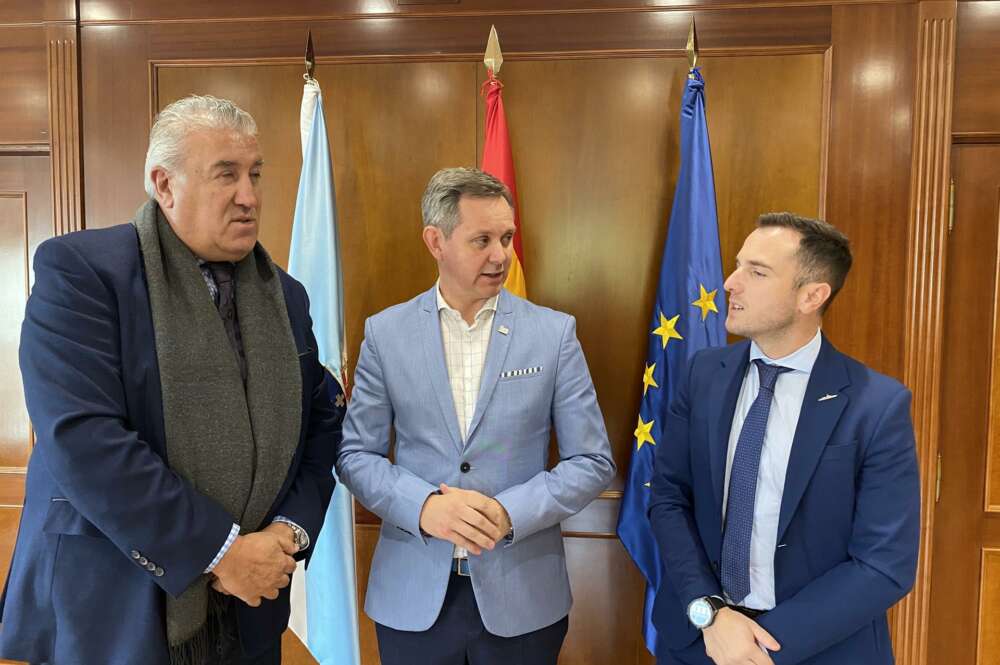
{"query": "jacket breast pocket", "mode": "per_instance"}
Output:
(839, 451)
(521, 373)
(63, 518)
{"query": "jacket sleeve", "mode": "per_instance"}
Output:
(308, 497)
(883, 548)
(388, 490)
(585, 465)
(71, 364)
(671, 505)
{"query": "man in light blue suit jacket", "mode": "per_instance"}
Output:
(470, 381)
(786, 497)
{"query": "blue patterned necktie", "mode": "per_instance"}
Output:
(743, 487)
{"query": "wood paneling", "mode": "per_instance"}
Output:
(37, 11)
(604, 624)
(15, 435)
(960, 527)
(23, 86)
(869, 173)
(929, 211)
(989, 609)
(64, 128)
(977, 74)
(107, 11)
(115, 57)
(293, 652)
(31, 174)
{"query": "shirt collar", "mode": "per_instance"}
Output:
(489, 306)
(801, 360)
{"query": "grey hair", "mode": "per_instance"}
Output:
(174, 123)
(439, 205)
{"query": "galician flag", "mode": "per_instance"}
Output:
(324, 597)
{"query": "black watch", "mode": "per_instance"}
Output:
(701, 612)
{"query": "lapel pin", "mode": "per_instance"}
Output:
(826, 397)
(503, 330)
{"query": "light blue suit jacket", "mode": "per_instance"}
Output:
(401, 385)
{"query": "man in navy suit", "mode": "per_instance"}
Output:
(185, 434)
(785, 499)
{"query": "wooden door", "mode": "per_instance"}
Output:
(965, 583)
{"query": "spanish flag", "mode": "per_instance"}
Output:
(499, 162)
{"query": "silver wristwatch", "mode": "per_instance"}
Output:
(300, 536)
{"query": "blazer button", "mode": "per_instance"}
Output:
(158, 572)
(143, 561)
(135, 554)
(150, 566)
(465, 467)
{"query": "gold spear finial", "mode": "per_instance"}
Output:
(494, 56)
(692, 45)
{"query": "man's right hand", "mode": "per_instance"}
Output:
(255, 566)
(734, 639)
(460, 517)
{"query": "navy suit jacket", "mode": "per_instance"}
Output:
(99, 486)
(849, 524)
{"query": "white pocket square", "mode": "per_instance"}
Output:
(527, 371)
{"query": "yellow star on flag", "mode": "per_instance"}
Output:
(642, 434)
(706, 302)
(648, 380)
(666, 330)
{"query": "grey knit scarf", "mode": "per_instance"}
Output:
(232, 444)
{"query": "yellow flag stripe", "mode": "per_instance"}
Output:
(515, 279)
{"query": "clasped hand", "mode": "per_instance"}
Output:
(734, 639)
(257, 565)
(465, 518)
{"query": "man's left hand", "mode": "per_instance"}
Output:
(492, 510)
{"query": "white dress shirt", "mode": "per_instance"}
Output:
(789, 391)
(465, 349)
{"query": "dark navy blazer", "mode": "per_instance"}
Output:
(849, 525)
(99, 489)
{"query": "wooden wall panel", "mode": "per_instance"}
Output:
(23, 86)
(604, 625)
(596, 145)
(989, 613)
(15, 435)
(977, 74)
(969, 297)
(869, 173)
(37, 11)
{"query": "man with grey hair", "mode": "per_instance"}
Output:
(470, 567)
(186, 431)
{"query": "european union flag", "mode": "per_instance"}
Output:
(688, 316)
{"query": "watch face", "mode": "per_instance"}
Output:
(700, 613)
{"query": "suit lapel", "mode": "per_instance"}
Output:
(496, 354)
(727, 383)
(437, 369)
(817, 421)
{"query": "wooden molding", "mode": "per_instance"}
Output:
(64, 131)
(20, 149)
(926, 252)
(984, 138)
(122, 13)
